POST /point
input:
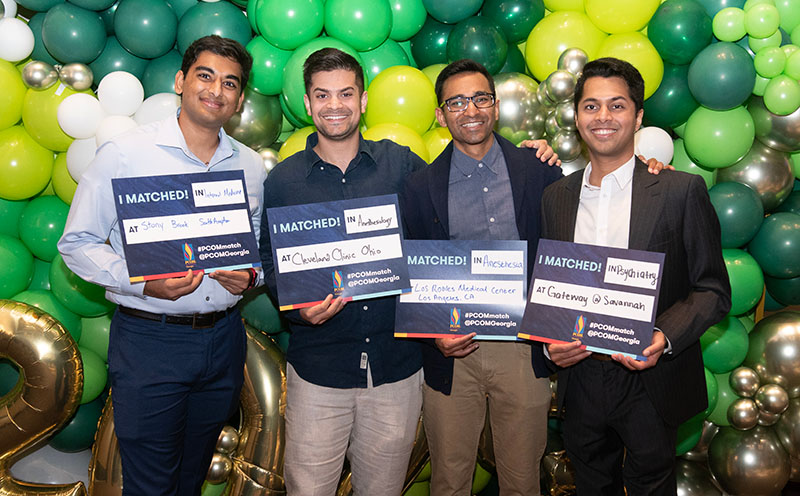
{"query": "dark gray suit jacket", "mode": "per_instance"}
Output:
(670, 213)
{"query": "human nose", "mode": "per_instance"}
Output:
(603, 114)
(215, 87)
(471, 109)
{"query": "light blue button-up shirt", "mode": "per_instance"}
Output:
(151, 150)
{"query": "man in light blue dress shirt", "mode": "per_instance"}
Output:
(177, 346)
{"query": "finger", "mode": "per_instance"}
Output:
(466, 351)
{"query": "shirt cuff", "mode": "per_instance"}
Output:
(668, 347)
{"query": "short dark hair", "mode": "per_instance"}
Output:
(608, 67)
(224, 47)
(459, 67)
(331, 59)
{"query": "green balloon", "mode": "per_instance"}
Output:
(288, 25)
(728, 24)
(762, 20)
(712, 389)
(266, 76)
(406, 46)
(73, 34)
(785, 291)
(389, 54)
(408, 16)
(41, 275)
(78, 433)
(9, 376)
(42, 224)
(679, 30)
(39, 5)
(789, 11)
(205, 18)
(770, 62)
(515, 61)
(17, 264)
(790, 204)
(295, 122)
(95, 375)
(722, 76)
(258, 123)
(10, 210)
(452, 11)
(724, 345)
(159, 74)
(756, 44)
(682, 162)
(777, 244)
(739, 210)
(714, 6)
(672, 103)
(94, 334)
(719, 138)
(282, 340)
(115, 58)
(39, 51)
(746, 278)
(363, 24)
(479, 39)
(429, 45)
(179, 7)
(761, 85)
(771, 304)
(108, 17)
(293, 87)
(689, 434)
(209, 489)
(515, 17)
(81, 297)
(747, 322)
(95, 5)
(782, 95)
(45, 301)
(260, 312)
(146, 28)
(719, 415)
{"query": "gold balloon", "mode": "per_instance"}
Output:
(772, 398)
(228, 440)
(558, 476)
(694, 479)
(105, 467)
(77, 76)
(775, 348)
(700, 450)
(39, 75)
(788, 429)
(749, 462)
(220, 468)
(46, 396)
(743, 414)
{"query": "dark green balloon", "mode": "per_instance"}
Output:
(39, 51)
(73, 34)
(78, 433)
(478, 39)
(777, 244)
(159, 74)
(41, 275)
(679, 30)
(406, 46)
(739, 211)
(293, 120)
(429, 45)
(722, 76)
(17, 264)
(515, 17)
(515, 61)
(42, 224)
(260, 312)
(179, 7)
(672, 103)
(108, 17)
(689, 434)
(44, 300)
(146, 28)
(81, 297)
(714, 6)
(724, 345)
(95, 5)
(10, 210)
(746, 278)
(9, 376)
(452, 11)
(115, 58)
(785, 291)
(389, 54)
(790, 204)
(39, 5)
(220, 18)
(771, 304)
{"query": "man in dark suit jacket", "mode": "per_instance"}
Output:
(621, 414)
(480, 187)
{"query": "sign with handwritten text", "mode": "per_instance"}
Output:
(605, 297)
(460, 287)
(178, 222)
(351, 249)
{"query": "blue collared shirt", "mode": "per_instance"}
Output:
(151, 150)
(330, 354)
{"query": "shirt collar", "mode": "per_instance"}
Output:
(311, 159)
(467, 165)
(621, 175)
(171, 135)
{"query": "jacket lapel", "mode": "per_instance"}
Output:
(568, 206)
(646, 205)
(516, 175)
(439, 188)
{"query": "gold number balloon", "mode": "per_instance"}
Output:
(48, 393)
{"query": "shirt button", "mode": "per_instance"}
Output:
(491, 219)
(480, 166)
(344, 180)
(365, 307)
(367, 340)
(485, 189)
(321, 168)
(207, 298)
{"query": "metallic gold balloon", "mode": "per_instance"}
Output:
(775, 349)
(565, 115)
(749, 462)
(270, 157)
(560, 85)
(694, 479)
(550, 124)
(788, 429)
(258, 123)
(700, 451)
(543, 97)
(567, 145)
(228, 440)
(772, 398)
(558, 476)
(768, 172)
(45, 397)
(743, 414)
(519, 107)
(105, 467)
(745, 382)
(220, 468)
(39, 75)
(576, 164)
(781, 132)
(795, 476)
(768, 419)
(251, 480)
(573, 60)
(77, 76)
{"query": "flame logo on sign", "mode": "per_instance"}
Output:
(580, 324)
(188, 254)
(337, 281)
(455, 318)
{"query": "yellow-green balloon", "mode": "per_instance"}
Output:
(400, 134)
(728, 24)
(63, 184)
(11, 96)
(296, 142)
(637, 49)
(25, 165)
(719, 138)
(554, 5)
(403, 95)
(621, 16)
(436, 140)
(39, 110)
(554, 34)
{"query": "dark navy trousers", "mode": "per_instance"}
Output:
(173, 388)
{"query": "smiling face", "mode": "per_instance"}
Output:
(335, 104)
(607, 120)
(210, 91)
(472, 128)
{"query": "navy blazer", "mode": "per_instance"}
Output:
(424, 207)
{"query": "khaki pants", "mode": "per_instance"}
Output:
(499, 376)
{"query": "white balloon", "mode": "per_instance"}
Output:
(47, 465)
(79, 115)
(79, 155)
(9, 8)
(157, 107)
(112, 126)
(654, 142)
(120, 93)
(16, 39)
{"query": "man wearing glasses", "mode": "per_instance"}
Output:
(480, 187)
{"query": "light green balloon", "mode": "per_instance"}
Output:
(762, 20)
(408, 16)
(682, 162)
(770, 62)
(782, 95)
(795, 36)
(728, 24)
(756, 44)
(761, 85)
(724, 345)
(94, 335)
(790, 14)
(719, 138)
(792, 67)
(749, 4)
(95, 375)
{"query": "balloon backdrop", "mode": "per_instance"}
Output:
(739, 211)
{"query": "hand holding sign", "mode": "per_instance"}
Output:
(175, 287)
(566, 354)
(652, 352)
(322, 311)
(457, 347)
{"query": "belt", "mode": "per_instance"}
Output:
(197, 320)
(601, 357)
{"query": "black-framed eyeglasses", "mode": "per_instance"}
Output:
(460, 103)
